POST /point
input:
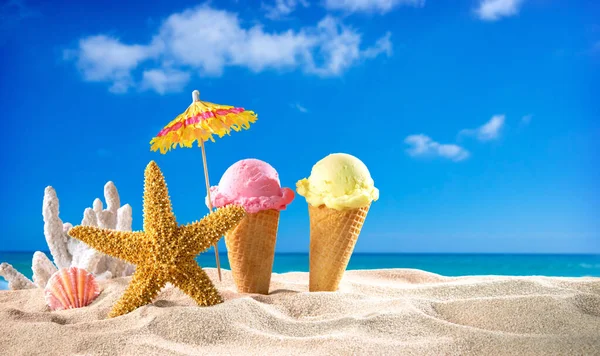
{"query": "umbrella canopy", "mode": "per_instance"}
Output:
(199, 123)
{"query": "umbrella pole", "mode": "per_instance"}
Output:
(210, 206)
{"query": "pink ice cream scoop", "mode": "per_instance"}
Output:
(253, 184)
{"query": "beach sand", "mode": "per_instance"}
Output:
(376, 312)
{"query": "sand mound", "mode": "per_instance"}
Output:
(378, 312)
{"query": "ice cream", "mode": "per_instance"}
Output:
(255, 185)
(339, 181)
(339, 193)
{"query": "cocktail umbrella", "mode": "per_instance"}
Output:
(199, 123)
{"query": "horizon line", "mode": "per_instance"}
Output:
(389, 253)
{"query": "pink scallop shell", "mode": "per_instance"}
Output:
(71, 288)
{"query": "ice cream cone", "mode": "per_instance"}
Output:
(333, 234)
(255, 185)
(251, 249)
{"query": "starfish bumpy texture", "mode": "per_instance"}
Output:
(164, 251)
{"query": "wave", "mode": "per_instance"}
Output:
(589, 265)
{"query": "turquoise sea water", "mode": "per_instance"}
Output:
(444, 264)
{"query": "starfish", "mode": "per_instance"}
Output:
(164, 251)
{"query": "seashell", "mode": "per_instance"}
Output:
(70, 288)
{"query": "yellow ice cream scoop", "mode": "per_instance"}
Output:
(339, 181)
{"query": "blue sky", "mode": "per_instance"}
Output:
(477, 119)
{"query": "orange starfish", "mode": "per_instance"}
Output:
(164, 251)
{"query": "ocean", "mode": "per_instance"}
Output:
(444, 264)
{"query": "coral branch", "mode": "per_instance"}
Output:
(53, 230)
(90, 259)
(89, 218)
(124, 219)
(42, 268)
(97, 205)
(16, 280)
(67, 227)
(113, 201)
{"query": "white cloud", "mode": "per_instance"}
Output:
(422, 145)
(105, 59)
(204, 40)
(488, 131)
(163, 81)
(339, 48)
(492, 10)
(300, 108)
(383, 45)
(370, 6)
(282, 8)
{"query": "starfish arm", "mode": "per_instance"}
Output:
(158, 212)
(201, 234)
(193, 281)
(144, 286)
(126, 245)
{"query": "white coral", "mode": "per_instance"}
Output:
(15, 279)
(56, 238)
(67, 251)
(113, 217)
(124, 218)
(42, 268)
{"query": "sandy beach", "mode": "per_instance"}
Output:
(376, 312)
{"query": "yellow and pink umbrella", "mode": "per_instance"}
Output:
(199, 123)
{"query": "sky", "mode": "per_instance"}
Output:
(478, 119)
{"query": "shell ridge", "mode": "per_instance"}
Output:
(59, 287)
(85, 290)
(71, 288)
(77, 283)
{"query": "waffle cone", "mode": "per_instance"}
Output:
(251, 249)
(333, 234)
